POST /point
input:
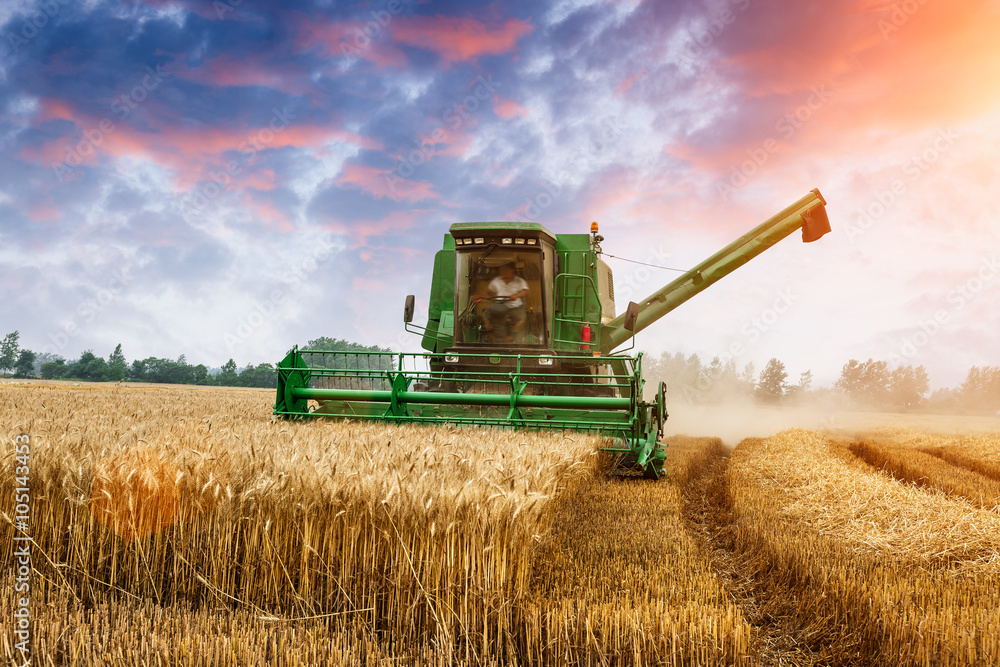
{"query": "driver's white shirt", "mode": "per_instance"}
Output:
(501, 287)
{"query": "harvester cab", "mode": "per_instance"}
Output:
(522, 332)
(515, 289)
(503, 292)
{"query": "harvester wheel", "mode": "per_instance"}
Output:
(660, 409)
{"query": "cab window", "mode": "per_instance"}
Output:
(499, 299)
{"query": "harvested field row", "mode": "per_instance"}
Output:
(968, 458)
(912, 572)
(621, 579)
(767, 598)
(976, 452)
(923, 467)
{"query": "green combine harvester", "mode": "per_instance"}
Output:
(522, 333)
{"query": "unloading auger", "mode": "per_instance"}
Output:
(542, 357)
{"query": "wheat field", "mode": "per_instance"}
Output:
(183, 526)
(888, 567)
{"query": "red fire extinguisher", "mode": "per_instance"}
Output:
(585, 337)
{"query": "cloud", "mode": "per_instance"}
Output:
(509, 109)
(385, 183)
(459, 39)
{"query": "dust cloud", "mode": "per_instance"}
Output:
(736, 420)
(732, 422)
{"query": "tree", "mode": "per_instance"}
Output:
(43, 358)
(138, 370)
(263, 375)
(368, 357)
(201, 374)
(52, 370)
(907, 386)
(25, 366)
(8, 351)
(772, 381)
(166, 371)
(981, 388)
(228, 377)
(748, 379)
(875, 378)
(805, 379)
(849, 381)
(177, 372)
(867, 382)
(338, 345)
(90, 367)
(798, 390)
(117, 364)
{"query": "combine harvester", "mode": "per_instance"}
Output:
(547, 362)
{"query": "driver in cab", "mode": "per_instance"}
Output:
(506, 316)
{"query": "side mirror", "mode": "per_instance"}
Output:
(631, 315)
(408, 309)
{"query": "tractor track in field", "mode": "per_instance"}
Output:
(767, 602)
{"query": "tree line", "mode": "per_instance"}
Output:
(869, 384)
(89, 367)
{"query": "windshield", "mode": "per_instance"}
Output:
(500, 298)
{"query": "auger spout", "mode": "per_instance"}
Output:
(808, 214)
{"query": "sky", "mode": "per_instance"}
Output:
(227, 179)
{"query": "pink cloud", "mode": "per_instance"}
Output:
(458, 39)
(44, 212)
(225, 71)
(362, 231)
(191, 154)
(54, 151)
(455, 143)
(509, 109)
(269, 213)
(630, 81)
(385, 183)
(261, 179)
(53, 108)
